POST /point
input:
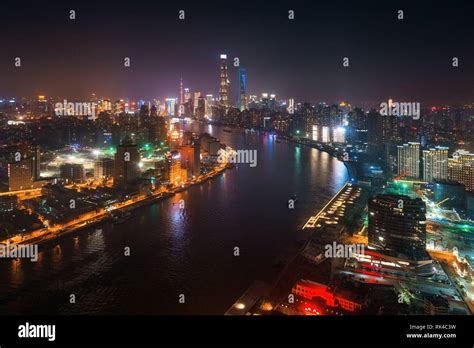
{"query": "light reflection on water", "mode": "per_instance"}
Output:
(190, 251)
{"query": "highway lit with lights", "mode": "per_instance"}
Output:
(92, 217)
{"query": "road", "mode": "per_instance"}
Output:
(93, 217)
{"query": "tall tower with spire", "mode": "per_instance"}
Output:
(181, 92)
(242, 98)
(223, 82)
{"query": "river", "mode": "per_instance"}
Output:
(188, 252)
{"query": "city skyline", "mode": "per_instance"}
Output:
(289, 58)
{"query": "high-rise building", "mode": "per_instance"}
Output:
(208, 105)
(461, 169)
(397, 226)
(408, 160)
(34, 152)
(126, 163)
(435, 164)
(242, 100)
(104, 105)
(339, 134)
(72, 172)
(223, 83)
(202, 107)
(197, 95)
(103, 168)
(171, 106)
(144, 115)
(390, 139)
(325, 134)
(168, 160)
(291, 106)
(375, 132)
(24, 167)
(118, 107)
(42, 104)
(21, 174)
(153, 111)
(177, 174)
(315, 132)
(190, 158)
(160, 130)
(187, 95)
(181, 92)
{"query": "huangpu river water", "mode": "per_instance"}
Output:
(188, 252)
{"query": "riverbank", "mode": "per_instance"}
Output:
(351, 166)
(289, 267)
(51, 236)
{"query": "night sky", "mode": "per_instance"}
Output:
(408, 60)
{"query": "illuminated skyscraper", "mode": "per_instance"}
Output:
(435, 164)
(409, 160)
(32, 151)
(126, 163)
(187, 95)
(159, 130)
(224, 83)
(339, 134)
(397, 226)
(177, 174)
(315, 135)
(208, 105)
(42, 104)
(24, 167)
(242, 101)
(190, 158)
(181, 92)
(291, 106)
(202, 107)
(325, 136)
(461, 169)
(171, 106)
(196, 101)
